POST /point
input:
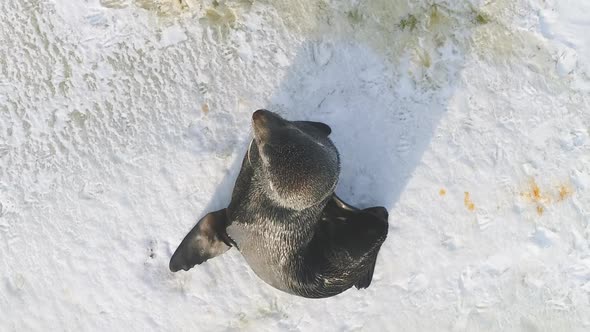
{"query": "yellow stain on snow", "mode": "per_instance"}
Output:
(468, 202)
(565, 191)
(542, 199)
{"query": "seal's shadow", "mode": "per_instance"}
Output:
(382, 121)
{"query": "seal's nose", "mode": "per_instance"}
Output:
(259, 115)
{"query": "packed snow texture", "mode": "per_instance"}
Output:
(123, 122)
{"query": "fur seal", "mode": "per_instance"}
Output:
(285, 218)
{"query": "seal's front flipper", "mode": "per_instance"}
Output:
(206, 240)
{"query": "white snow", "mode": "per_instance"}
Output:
(123, 122)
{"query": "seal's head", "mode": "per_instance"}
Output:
(298, 162)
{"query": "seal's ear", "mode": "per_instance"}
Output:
(206, 240)
(322, 127)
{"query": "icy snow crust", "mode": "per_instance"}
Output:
(123, 122)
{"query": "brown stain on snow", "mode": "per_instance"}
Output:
(205, 108)
(468, 202)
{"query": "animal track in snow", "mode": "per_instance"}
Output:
(229, 53)
(4, 150)
(203, 88)
(4, 82)
(91, 190)
(468, 123)
(322, 53)
(404, 144)
(505, 183)
(483, 220)
(404, 115)
(151, 251)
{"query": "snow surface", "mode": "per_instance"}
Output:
(123, 122)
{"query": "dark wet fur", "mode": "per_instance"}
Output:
(312, 250)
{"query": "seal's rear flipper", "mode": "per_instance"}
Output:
(376, 228)
(367, 275)
(206, 240)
